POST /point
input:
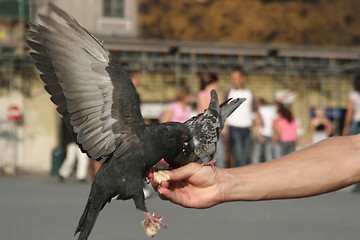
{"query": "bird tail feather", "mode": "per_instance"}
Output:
(228, 107)
(88, 218)
(214, 102)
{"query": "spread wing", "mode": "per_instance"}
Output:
(91, 90)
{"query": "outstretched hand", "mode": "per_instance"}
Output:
(304, 173)
(193, 185)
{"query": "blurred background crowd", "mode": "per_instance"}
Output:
(296, 63)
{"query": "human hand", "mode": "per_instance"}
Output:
(193, 186)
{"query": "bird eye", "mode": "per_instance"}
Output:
(184, 137)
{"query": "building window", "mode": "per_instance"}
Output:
(114, 8)
(117, 17)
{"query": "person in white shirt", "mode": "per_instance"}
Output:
(73, 154)
(263, 129)
(352, 117)
(241, 120)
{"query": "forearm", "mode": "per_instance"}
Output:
(327, 166)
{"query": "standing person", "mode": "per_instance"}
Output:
(241, 120)
(352, 117)
(285, 131)
(263, 129)
(209, 82)
(135, 78)
(74, 153)
(320, 126)
(179, 110)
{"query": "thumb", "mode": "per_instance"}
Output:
(170, 195)
(183, 172)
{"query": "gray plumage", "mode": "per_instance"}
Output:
(205, 129)
(100, 105)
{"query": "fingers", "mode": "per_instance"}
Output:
(164, 193)
(184, 172)
(178, 174)
(160, 188)
(167, 194)
(155, 184)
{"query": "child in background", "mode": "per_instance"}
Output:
(284, 132)
(180, 110)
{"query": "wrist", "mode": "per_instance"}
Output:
(221, 184)
(240, 184)
(231, 186)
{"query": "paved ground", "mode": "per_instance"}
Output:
(40, 208)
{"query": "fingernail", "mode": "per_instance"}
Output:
(160, 192)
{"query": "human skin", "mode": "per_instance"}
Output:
(327, 166)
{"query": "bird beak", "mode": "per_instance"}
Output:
(185, 146)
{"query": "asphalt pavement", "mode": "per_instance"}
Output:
(41, 208)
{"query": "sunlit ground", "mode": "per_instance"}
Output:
(40, 208)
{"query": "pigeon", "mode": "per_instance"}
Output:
(100, 106)
(205, 129)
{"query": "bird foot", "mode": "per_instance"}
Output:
(211, 163)
(152, 224)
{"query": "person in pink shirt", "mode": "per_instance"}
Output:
(284, 132)
(179, 110)
(208, 83)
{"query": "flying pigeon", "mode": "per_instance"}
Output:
(205, 129)
(100, 105)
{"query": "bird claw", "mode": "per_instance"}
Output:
(211, 163)
(152, 224)
(147, 180)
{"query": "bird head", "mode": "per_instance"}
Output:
(176, 142)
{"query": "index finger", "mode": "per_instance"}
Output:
(183, 172)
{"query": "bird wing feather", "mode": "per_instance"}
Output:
(92, 92)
